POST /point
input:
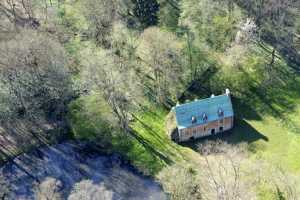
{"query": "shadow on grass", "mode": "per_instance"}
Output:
(158, 138)
(149, 147)
(243, 132)
(276, 97)
(243, 110)
(199, 87)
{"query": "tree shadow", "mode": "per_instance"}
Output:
(19, 135)
(243, 109)
(149, 147)
(242, 132)
(157, 138)
(275, 98)
(71, 163)
(199, 87)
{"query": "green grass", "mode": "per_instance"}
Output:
(149, 127)
(273, 128)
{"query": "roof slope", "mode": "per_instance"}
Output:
(209, 107)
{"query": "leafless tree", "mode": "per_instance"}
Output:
(222, 174)
(49, 189)
(180, 183)
(219, 176)
(19, 12)
(34, 75)
(102, 14)
(86, 190)
(227, 172)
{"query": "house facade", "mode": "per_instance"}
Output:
(204, 117)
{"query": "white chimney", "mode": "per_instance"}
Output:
(227, 92)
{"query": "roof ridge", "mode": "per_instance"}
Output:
(199, 100)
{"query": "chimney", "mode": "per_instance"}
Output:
(227, 92)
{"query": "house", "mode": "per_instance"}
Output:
(204, 117)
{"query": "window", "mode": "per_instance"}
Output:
(221, 121)
(204, 117)
(194, 119)
(204, 129)
(221, 128)
(220, 112)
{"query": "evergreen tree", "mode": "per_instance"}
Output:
(146, 11)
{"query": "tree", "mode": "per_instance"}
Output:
(160, 52)
(218, 176)
(169, 13)
(20, 13)
(146, 11)
(221, 175)
(211, 22)
(34, 76)
(114, 78)
(102, 14)
(180, 183)
(278, 25)
(88, 191)
(49, 190)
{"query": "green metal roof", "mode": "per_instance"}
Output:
(203, 111)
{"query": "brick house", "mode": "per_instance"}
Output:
(204, 117)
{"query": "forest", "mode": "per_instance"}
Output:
(107, 73)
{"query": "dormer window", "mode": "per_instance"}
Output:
(204, 117)
(220, 112)
(194, 119)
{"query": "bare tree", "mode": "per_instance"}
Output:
(19, 12)
(222, 174)
(87, 190)
(34, 75)
(180, 183)
(101, 15)
(49, 189)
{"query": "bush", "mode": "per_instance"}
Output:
(91, 119)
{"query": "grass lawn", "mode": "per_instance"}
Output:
(149, 127)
